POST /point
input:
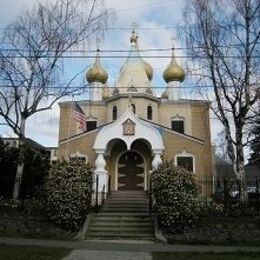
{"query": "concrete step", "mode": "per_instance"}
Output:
(121, 210)
(121, 192)
(122, 229)
(120, 220)
(128, 195)
(123, 214)
(136, 197)
(118, 201)
(124, 206)
(115, 224)
(126, 236)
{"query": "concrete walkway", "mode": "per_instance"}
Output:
(107, 255)
(126, 246)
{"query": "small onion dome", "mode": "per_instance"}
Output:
(164, 94)
(148, 70)
(96, 73)
(174, 72)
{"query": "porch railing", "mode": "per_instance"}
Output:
(100, 197)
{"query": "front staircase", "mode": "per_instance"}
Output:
(125, 215)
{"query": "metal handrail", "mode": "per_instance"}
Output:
(103, 196)
(97, 183)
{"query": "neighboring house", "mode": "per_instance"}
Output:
(14, 142)
(130, 131)
(11, 142)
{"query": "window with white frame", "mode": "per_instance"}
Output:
(186, 161)
(178, 125)
(79, 157)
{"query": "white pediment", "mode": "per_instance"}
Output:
(143, 130)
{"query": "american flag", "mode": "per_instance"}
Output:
(79, 116)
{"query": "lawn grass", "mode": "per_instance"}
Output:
(32, 253)
(206, 256)
(214, 243)
(41, 235)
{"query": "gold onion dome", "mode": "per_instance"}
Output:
(174, 72)
(96, 73)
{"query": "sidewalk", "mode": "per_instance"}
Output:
(126, 246)
(84, 254)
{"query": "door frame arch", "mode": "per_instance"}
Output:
(116, 168)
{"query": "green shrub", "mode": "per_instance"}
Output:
(8, 205)
(175, 198)
(69, 191)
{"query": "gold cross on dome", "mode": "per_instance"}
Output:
(173, 41)
(98, 42)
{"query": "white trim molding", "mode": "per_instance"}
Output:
(185, 154)
(79, 155)
(143, 130)
(177, 117)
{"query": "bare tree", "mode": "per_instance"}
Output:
(223, 38)
(31, 60)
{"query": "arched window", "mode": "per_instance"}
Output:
(133, 108)
(149, 113)
(114, 113)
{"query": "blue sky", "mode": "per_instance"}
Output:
(154, 14)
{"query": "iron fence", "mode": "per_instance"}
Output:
(225, 191)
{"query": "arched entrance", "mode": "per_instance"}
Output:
(142, 130)
(131, 171)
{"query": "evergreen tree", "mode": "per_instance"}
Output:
(35, 171)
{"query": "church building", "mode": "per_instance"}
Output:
(129, 131)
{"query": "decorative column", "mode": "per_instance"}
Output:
(157, 161)
(100, 171)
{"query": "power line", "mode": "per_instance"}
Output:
(121, 56)
(132, 92)
(119, 50)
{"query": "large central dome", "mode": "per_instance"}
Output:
(135, 74)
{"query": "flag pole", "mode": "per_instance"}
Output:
(69, 127)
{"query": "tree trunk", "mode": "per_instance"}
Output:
(239, 169)
(20, 162)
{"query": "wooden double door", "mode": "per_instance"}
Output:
(131, 171)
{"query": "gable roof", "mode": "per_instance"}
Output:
(174, 132)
